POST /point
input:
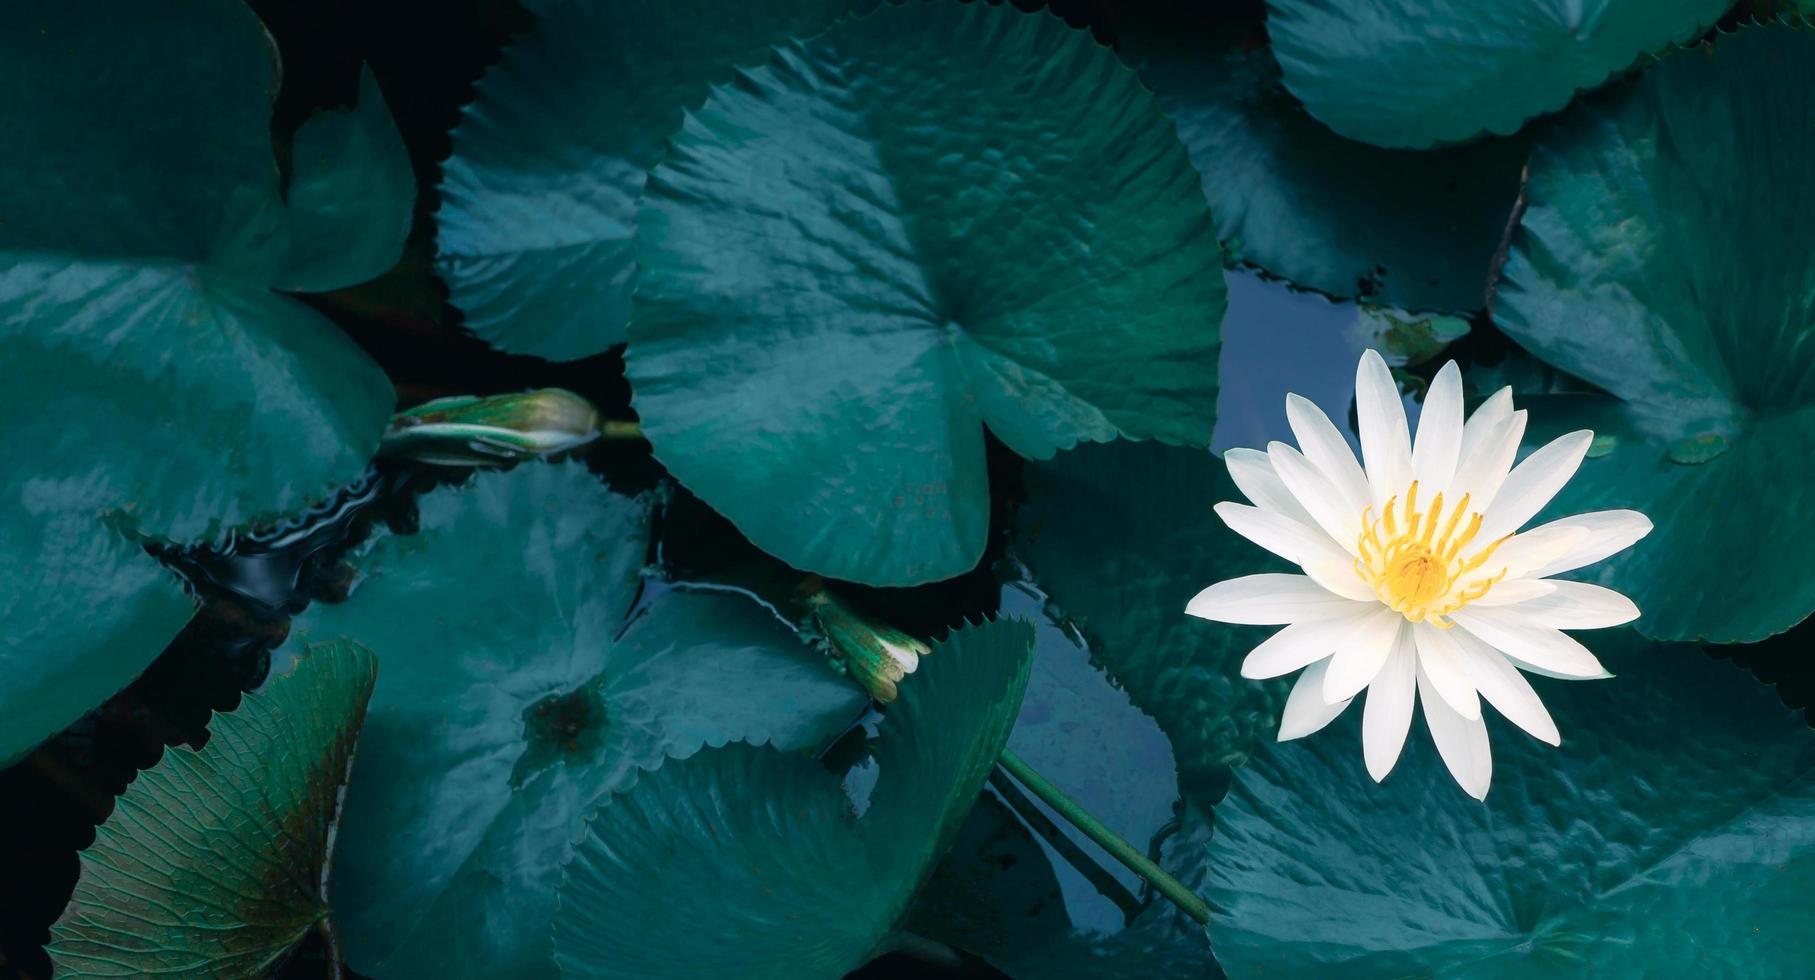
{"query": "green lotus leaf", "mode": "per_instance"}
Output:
(1663, 257)
(1672, 834)
(1413, 73)
(215, 861)
(154, 382)
(1059, 905)
(539, 198)
(514, 698)
(924, 221)
(1121, 536)
(1413, 229)
(741, 861)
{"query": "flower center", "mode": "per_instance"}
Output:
(1419, 562)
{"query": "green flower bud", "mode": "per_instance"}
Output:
(876, 654)
(467, 430)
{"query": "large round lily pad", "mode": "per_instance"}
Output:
(931, 219)
(1671, 834)
(539, 197)
(154, 381)
(768, 850)
(1666, 256)
(1121, 536)
(215, 862)
(1413, 229)
(512, 698)
(1413, 73)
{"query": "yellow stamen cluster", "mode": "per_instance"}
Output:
(1419, 569)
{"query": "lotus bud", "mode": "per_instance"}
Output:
(876, 654)
(467, 430)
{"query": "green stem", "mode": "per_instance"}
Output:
(1107, 839)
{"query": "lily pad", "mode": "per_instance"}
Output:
(539, 198)
(934, 218)
(1056, 904)
(514, 698)
(1645, 202)
(1413, 229)
(1121, 536)
(215, 861)
(1414, 73)
(155, 382)
(1672, 834)
(768, 849)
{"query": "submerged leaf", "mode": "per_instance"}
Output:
(539, 198)
(931, 219)
(215, 861)
(1413, 73)
(1121, 537)
(1056, 904)
(514, 698)
(743, 862)
(1673, 834)
(1666, 256)
(154, 382)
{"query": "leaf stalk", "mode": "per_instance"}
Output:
(1162, 882)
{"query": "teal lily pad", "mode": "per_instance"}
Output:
(1663, 256)
(1413, 229)
(513, 698)
(215, 861)
(931, 219)
(1672, 834)
(155, 383)
(1056, 904)
(539, 198)
(1121, 536)
(1414, 73)
(741, 861)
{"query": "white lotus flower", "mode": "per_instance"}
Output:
(1415, 584)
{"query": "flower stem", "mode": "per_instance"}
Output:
(1174, 890)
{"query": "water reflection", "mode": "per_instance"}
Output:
(1276, 340)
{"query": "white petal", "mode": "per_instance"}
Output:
(1296, 646)
(1484, 467)
(1305, 710)
(1269, 599)
(1339, 576)
(1307, 545)
(1498, 408)
(1528, 551)
(1501, 684)
(1309, 487)
(1253, 474)
(1285, 537)
(1327, 450)
(1609, 533)
(1438, 445)
(1462, 742)
(1442, 664)
(1576, 606)
(1515, 590)
(1386, 441)
(1545, 651)
(1534, 482)
(1388, 713)
(1360, 653)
